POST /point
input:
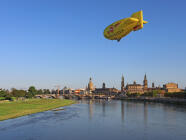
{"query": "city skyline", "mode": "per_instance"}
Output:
(48, 43)
(96, 84)
(124, 83)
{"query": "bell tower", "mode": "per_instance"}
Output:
(145, 82)
(122, 84)
(103, 87)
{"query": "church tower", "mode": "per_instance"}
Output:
(90, 84)
(145, 83)
(153, 85)
(122, 84)
(103, 87)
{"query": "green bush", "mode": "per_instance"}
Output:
(133, 94)
(2, 98)
(176, 95)
(8, 98)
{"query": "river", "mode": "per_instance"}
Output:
(100, 120)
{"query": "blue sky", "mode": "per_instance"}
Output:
(60, 42)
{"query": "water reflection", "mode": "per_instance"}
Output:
(122, 111)
(90, 105)
(145, 113)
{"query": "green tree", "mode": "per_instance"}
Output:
(46, 91)
(40, 91)
(155, 93)
(31, 92)
(18, 93)
(3, 93)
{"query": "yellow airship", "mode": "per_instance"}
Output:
(123, 27)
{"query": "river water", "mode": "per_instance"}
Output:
(100, 120)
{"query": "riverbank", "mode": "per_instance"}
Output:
(175, 101)
(165, 100)
(9, 110)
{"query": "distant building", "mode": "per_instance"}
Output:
(67, 90)
(145, 83)
(171, 87)
(134, 88)
(153, 85)
(106, 91)
(79, 91)
(103, 87)
(137, 88)
(90, 85)
(122, 85)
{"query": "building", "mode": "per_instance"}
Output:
(90, 85)
(171, 87)
(79, 91)
(104, 86)
(145, 83)
(67, 90)
(122, 84)
(134, 88)
(106, 91)
(153, 85)
(137, 88)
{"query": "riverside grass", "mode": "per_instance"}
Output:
(9, 110)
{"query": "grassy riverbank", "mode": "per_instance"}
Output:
(15, 109)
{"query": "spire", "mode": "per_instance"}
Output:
(134, 83)
(122, 84)
(153, 86)
(145, 77)
(122, 78)
(145, 82)
(103, 86)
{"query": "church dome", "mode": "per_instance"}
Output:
(90, 85)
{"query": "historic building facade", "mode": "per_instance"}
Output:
(134, 88)
(105, 91)
(171, 87)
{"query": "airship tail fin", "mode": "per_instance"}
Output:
(139, 16)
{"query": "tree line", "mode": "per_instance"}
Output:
(30, 93)
(156, 93)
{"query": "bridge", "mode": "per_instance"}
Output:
(87, 96)
(75, 96)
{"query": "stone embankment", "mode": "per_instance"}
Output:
(156, 100)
